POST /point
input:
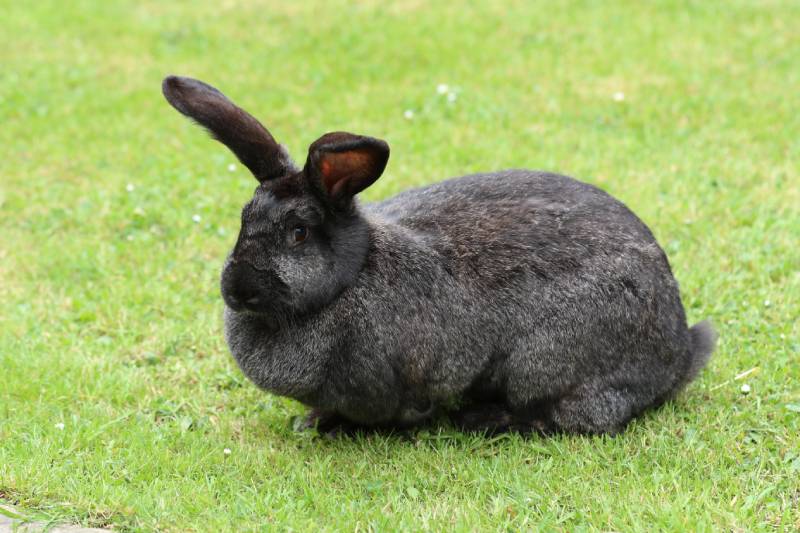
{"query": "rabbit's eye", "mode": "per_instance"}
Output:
(300, 233)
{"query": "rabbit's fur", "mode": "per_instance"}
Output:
(530, 300)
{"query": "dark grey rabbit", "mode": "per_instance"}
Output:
(529, 300)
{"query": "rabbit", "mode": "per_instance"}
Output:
(513, 301)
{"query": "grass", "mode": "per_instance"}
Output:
(118, 398)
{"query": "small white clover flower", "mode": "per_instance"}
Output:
(745, 389)
(442, 88)
(226, 451)
(451, 96)
(130, 187)
(60, 426)
(767, 303)
(408, 114)
(618, 96)
(138, 211)
(232, 168)
(196, 218)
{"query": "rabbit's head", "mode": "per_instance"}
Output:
(302, 240)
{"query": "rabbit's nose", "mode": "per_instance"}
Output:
(242, 286)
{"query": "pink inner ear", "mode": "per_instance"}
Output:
(346, 172)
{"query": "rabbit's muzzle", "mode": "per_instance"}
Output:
(245, 288)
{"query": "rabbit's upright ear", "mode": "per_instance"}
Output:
(229, 124)
(342, 164)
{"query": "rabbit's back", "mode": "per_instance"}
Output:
(524, 223)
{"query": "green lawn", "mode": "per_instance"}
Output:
(119, 404)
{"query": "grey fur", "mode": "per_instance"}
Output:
(535, 301)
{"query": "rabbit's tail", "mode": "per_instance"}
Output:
(702, 340)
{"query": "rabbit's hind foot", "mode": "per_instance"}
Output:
(495, 418)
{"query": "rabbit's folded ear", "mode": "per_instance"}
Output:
(229, 124)
(342, 164)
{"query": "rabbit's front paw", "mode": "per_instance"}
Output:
(327, 423)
